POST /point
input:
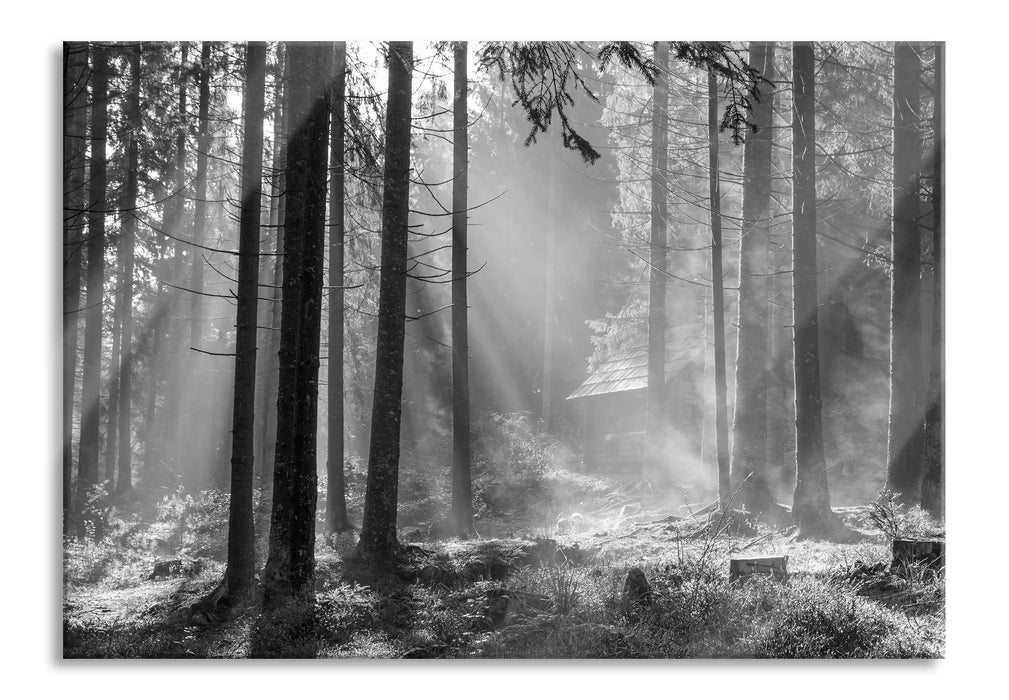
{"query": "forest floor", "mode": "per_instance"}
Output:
(549, 584)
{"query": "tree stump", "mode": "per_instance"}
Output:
(503, 606)
(931, 553)
(774, 566)
(175, 567)
(637, 590)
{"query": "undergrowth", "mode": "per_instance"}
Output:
(524, 595)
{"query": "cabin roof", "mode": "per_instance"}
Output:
(627, 370)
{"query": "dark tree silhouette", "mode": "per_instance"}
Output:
(549, 294)
(75, 113)
(273, 310)
(903, 475)
(87, 463)
(336, 495)
(173, 225)
(127, 236)
(290, 568)
(378, 543)
(749, 427)
(655, 399)
(462, 487)
(933, 456)
(241, 529)
(154, 339)
(196, 436)
(200, 205)
(718, 297)
(811, 503)
(112, 412)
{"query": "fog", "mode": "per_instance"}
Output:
(558, 274)
(495, 349)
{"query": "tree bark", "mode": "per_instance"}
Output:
(749, 427)
(241, 529)
(195, 440)
(87, 464)
(934, 458)
(378, 542)
(174, 226)
(305, 492)
(75, 112)
(811, 502)
(291, 565)
(269, 444)
(115, 366)
(781, 389)
(336, 496)
(462, 486)
(266, 274)
(126, 242)
(549, 300)
(903, 474)
(655, 399)
(155, 368)
(200, 213)
(718, 298)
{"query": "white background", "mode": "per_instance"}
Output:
(30, 614)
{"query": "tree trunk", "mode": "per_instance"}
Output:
(811, 503)
(749, 427)
(781, 399)
(75, 112)
(196, 436)
(306, 488)
(115, 365)
(549, 301)
(87, 463)
(200, 214)
(241, 530)
(155, 367)
(266, 276)
(174, 226)
(272, 363)
(903, 474)
(291, 564)
(126, 242)
(378, 542)
(717, 298)
(933, 458)
(655, 400)
(462, 487)
(336, 496)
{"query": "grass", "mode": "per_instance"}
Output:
(443, 610)
(529, 588)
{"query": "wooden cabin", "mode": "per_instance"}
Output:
(613, 399)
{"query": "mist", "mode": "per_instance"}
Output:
(332, 305)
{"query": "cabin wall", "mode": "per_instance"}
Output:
(614, 432)
(615, 429)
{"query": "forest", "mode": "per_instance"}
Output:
(503, 349)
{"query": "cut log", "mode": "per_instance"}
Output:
(775, 566)
(929, 552)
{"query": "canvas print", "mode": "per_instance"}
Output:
(500, 349)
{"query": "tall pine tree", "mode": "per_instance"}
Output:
(378, 544)
(903, 474)
(87, 463)
(811, 502)
(290, 567)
